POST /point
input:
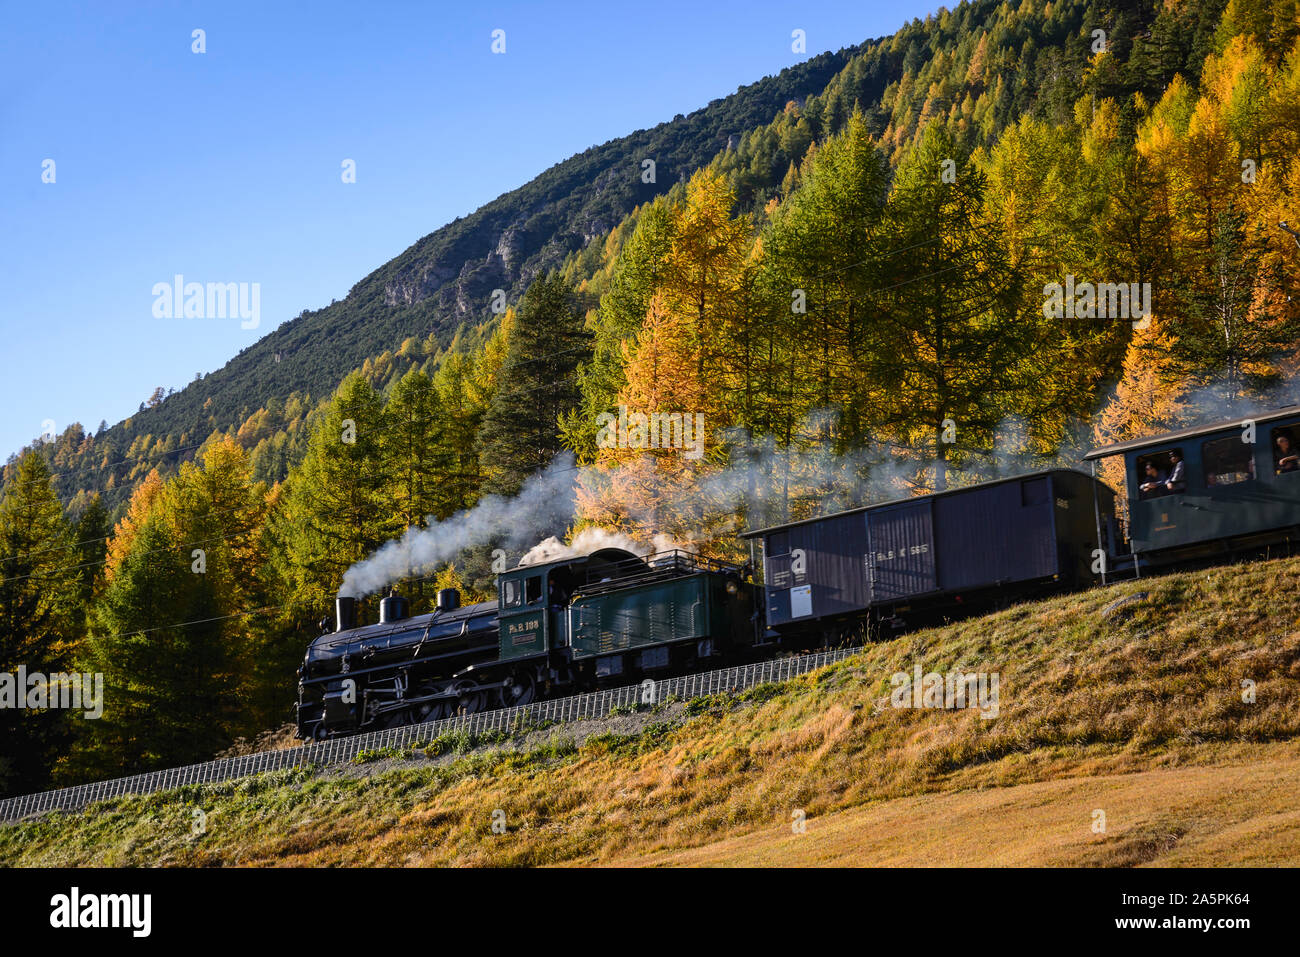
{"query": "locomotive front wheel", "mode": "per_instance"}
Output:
(521, 690)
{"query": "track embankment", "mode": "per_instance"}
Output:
(1149, 721)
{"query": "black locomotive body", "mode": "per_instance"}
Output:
(396, 672)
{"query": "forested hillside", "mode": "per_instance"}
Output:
(982, 66)
(842, 276)
(422, 297)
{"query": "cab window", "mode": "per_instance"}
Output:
(1228, 461)
(1286, 453)
(511, 593)
(533, 589)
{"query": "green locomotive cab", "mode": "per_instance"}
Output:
(532, 600)
(611, 614)
(522, 613)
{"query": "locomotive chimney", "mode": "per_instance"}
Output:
(448, 599)
(345, 613)
(392, 608)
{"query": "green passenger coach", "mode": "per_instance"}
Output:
(1212, 489)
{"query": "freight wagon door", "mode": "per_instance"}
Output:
(900, 551)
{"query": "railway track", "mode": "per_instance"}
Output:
(593, 704)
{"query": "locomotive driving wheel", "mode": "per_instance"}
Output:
(396, 719)
(435, 710)
(472, 698)
(521, 689)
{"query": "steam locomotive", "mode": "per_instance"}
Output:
(558, 627)
(612, 617)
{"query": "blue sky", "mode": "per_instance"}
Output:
(225, 166)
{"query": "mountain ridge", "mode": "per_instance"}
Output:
(985, 62)
(445, 279)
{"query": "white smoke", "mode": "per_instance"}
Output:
(592, 539)
(763, 484)
(544, 505)
(1192, 404)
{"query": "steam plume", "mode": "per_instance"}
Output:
(543, 506)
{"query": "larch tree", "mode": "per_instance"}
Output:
(335, 511)
(637, 272)
(954, 336)
(821, 251)
(417, 456)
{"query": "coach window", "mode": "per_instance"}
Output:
(533, 589)
(1228, 461)
(1286, 452)
(1160, 473)
(511, 593)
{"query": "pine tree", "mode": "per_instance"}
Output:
(537, 386)
(336, 510)
(38, 599)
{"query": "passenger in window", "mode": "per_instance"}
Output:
(1177, 481)
(1287, 459)
(1155, 481)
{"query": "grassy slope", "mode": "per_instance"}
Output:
(1139, 714)
(1241, 810)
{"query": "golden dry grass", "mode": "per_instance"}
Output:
(1243, 813)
